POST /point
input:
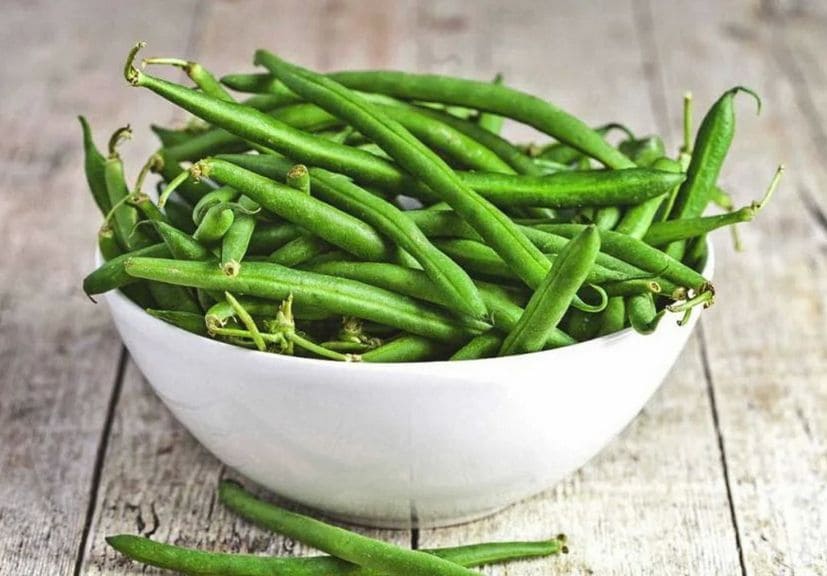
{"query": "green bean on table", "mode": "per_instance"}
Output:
(199, 563)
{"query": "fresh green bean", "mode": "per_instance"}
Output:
(214, 225)
(265, 130)
(643, 315)
(298, 177)
(107, 244)
(301, 116)
(638, 254)
(415, 283)
(492, 122)
(197, 73)
(582, 325)
(124, 217)
(349, 546)
(391, 222)
(236, 241)
(199, 563)
(497, 229)
(613, 318)
(637, 219)
(335, 295)
(643, 151)
(172, 137)
(269, 237)
(406, 348)
(111, 274)
(668, 231)
(299, 251)
(322, 219)
(574, 189)
(631, 287)
(487, 97)
(564, 155)
(550, 301)
(482, 346)
(95, 167)
(189, 321)
(181, 245)
(712, 143)
(223, 195)
(179, 214)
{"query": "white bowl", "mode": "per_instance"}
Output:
(402, 445)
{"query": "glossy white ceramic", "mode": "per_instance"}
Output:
(400, 445)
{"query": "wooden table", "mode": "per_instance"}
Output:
(724, 471)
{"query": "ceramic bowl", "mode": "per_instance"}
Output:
(402, 445)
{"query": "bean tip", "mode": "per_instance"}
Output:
(130, 72)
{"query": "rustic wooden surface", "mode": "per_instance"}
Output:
(724, 471)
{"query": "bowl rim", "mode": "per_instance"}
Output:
(121, 300)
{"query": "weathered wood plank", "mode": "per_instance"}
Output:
(655, 500)
(763, 341)
(58, 352)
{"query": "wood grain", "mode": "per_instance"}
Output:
(58, 352)
(763, 341)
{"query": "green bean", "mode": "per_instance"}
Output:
(662, 233)
(582, 325)
(191, 322)
(643, 151)
(711, 146)
(197, 73)
(613, 318)
(301, 116)
(176, 298)
(487, 97)
(179, 214)
(453, 143)
(482, 346)
(631, 287)
(299, 251)
(214, 225)
(181, 245)
(349, 546)
(550, 301)
(415, 283)
(111, 274)
(507, 152)
(269, 237)
(222, 195)
(492, 122)
(123, 216)
(199, 563)
(606, 218)
(406, 348)
(497, 229)
(335, 295)
(189, 189)
(563, 155)
(172, 137)
(643, 315)
(574, 189)
(637, 219)
(638, 254)
(393, 223)
(298, 177)
(319, 218)
(264, 130)
(236, 241)
(95, 167)
(107, 244)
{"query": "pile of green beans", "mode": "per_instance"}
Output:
(350, 554)
(381, 216)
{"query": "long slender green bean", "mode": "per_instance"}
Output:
(349, 546)
(549, 303)
(200, 563)
(267, 280)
